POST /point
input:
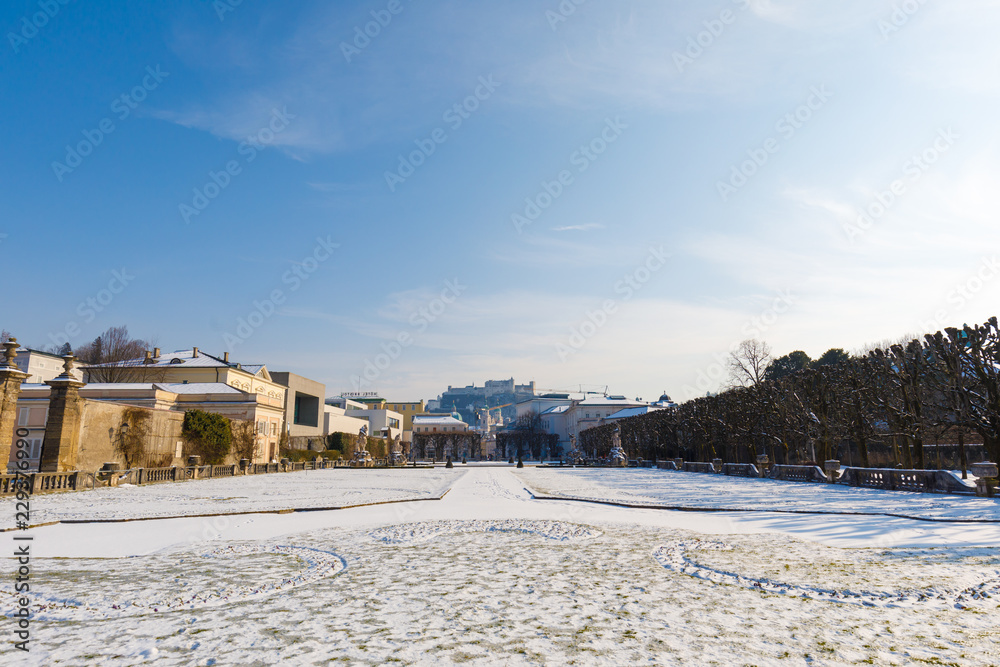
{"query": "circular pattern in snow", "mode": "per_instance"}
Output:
(415, 533)
(197, 595)
(674, 558)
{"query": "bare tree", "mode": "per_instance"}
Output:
(4, 336)
(748, 362)
(114, 356)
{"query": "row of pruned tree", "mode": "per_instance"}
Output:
(897, 398)
(440, 446)
(527, 438)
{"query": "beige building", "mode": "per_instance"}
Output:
(408, 410)
(191, 366)
(262, 399)
(103, 404)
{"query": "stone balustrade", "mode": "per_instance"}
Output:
(891, 479)
(111, 474)
(698, 466)
(798, 473)
(740, 470)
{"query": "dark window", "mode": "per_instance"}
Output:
(306, 410)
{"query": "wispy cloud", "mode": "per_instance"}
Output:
(579, 228)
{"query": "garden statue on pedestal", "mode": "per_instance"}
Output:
(575, 455)
(362, 459)
(617, 458)
(396, 455)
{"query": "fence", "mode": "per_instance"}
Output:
(740, 470)
(78, 480)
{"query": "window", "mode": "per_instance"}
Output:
(22, 418)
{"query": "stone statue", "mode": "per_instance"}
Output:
(362, 459)
(617, 457)
(396, 452)
(575, 456)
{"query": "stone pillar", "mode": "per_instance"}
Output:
(62, 431)
(986, 484)
(762, 464)
(11, 378)
(831, 468)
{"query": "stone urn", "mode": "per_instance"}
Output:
(986, 484)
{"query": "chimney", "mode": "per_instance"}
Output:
(149, 358)
(225, 357)
(194, 353)
(156, 353)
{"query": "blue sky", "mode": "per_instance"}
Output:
(709, 191)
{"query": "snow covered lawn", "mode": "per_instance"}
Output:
(488, 576)
(699, 490)
(308, 489)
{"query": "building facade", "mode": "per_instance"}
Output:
(304, 409)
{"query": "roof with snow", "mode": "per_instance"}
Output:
(606, 401)
(198, 388)
(633, 412)
(184, 359)
(435, 420)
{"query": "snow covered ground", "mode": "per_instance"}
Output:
(489, 576)
(310, 489)
(698, 490)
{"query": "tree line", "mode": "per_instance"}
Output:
(898, 398)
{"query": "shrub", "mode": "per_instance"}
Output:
(209, 436)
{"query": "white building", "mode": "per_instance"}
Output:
(567, 414)
(381, 423)
(41, 366)
(337, 420)
(429, 424)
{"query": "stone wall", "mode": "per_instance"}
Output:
(101, 425)
(316, 443)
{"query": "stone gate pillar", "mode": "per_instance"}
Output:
(11, 378)
(62, 431)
